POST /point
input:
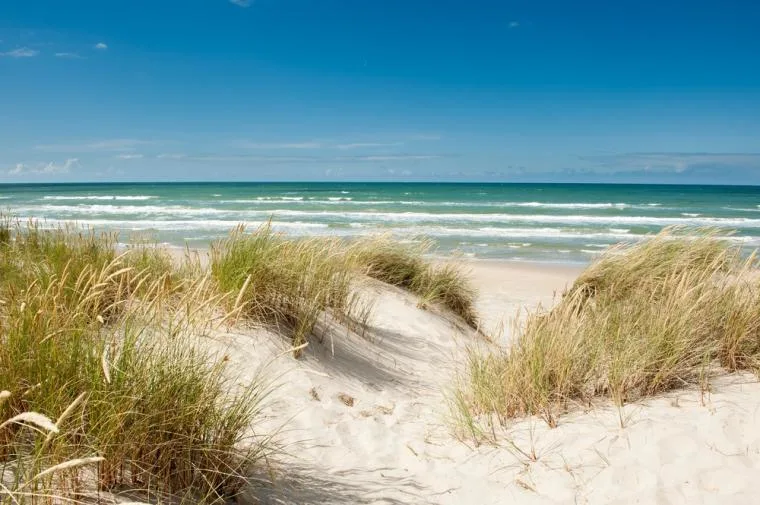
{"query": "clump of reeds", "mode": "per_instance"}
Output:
(93, 337)
(28, 479)
(287, 283)
(643, 319)
(405, 266)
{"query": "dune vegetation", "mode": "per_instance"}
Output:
(646, 318)
(285, 283)
(105, 382)
(100, 389)
(405, 266)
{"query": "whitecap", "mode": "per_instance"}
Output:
(100, 197)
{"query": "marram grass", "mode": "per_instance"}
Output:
(404, 265)
(88, 338)
(99, 342)
(642, 320)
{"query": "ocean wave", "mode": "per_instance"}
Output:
(336, 200)
(525, 237)
(333, 200)
(389, 217)
(554, 234)
(577, 220)
(544, 205)
(739, 209)
(100, 197)
(568, 205)
(90, 209)
(183, 225)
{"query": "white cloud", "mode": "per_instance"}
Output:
(21, 52)
(514, 24)
(267, 158)
(18, 169)
(674, 162)
(242, 3)
(133, 156)
(112, 145)
(286, 145)
(50, 168)
(359, 145)
(72, 56)
(101, 45)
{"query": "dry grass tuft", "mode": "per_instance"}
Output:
(404, 266)
(287, 283)
(644, 319)
(102, 341)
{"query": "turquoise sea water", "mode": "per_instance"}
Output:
(533, 222)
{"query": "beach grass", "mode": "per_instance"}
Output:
(645, 318)
(104, 342)
(291, 283)
(286, 283)
(405, 266)
(93, 342)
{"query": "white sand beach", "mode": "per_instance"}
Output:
(366, 420)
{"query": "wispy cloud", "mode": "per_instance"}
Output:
(360, 145)
(284, 145)
(71, 56)
(220, 158)
(297, 159)
(50, 168)
(675, 162)
(242, 3)
(102, 46)
(21, 52)
(314, 144)
(132, 156)
(112, 145)
(514, 24)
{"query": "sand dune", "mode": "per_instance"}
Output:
(365, 420)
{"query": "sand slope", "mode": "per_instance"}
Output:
(364, 420)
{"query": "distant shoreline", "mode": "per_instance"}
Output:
(544, 223)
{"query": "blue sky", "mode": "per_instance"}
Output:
(626, 91)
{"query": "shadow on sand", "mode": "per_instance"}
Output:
(310, 486)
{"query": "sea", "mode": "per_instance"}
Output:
(561, 223)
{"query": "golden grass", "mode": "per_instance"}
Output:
(102, 340)
(404, 266)
(88, 338)
(289, 284)
(644, 319)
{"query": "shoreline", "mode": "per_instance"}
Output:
(454, 257)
